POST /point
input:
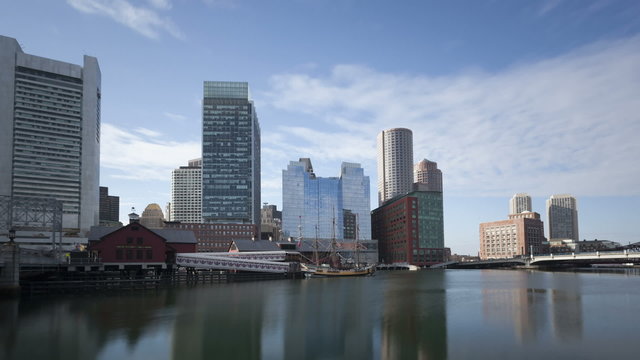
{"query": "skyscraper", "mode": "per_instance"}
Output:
(317, 206)
(186, 193)
(520, 202)
(427, 172)
(50, 132)
(109, 207)
(230, 154)
(395, 163)
(562, 211)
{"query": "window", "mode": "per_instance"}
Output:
(139, 241)
(149, 254)
(129, 240)
(138, 254)
(129, 254)
(119, 254)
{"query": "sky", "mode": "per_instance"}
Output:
(506, 96)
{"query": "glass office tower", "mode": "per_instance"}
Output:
(312, 205)
(230, 154)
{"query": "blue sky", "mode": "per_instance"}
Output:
(507, 96)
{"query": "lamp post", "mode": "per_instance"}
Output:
(12, 235)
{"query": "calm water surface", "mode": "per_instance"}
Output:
(448, 314)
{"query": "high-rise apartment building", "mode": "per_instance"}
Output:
(427, 172)
(521, 234)
(230, 154)
(395, 163)
(520, 202)
(315, 206)
(109, 207)
(186, 193)
(562, 212)
(50, 132)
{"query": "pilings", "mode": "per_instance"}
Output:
(10, 270)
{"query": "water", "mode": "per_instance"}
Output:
(448, 314)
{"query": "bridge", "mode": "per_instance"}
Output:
(263, 261)
(552, 260)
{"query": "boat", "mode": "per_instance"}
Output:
(326, 270)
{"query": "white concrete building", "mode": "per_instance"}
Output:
(186, 193)
(50, 132)
(562, 212)
(520, 202)
(395, 163)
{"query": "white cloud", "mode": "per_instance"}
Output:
(175, 117)
(127, 155)
(160, 4)
(566, 124)
(147, 132)
(144, 20)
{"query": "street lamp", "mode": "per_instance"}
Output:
(12, 235)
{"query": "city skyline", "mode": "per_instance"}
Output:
(500, 111)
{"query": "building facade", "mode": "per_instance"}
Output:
(135, 246)
(152, 217)
(519, 203)
(109, 207)
(562, 212)
(315, 207)
(216, 237)
(427, 172)
(271, 223)
(395, 163)
(410, 229)
(230, 154)
(50, 132)
(521, 235)
(186, 193)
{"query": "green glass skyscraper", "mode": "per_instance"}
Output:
(230, 154)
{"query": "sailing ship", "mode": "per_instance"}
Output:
(327, 270)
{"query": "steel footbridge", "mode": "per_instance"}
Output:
(263, 261)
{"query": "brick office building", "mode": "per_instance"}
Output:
(215, 237)
(520, 235)
(409, 229)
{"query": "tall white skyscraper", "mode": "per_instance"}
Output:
(186, 193)
(395, 163)
(520, 202)
(427, 172)
(50, 132)
(562, 211)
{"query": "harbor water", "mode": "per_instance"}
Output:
(428, 314)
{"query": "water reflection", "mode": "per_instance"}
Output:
(417, 315)
(414, 318)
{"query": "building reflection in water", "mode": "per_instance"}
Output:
(527, 304)
(521, 305)
(413, 324)
(260, 320)
(75, 328)
(567, 306)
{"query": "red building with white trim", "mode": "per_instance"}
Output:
(136, 246)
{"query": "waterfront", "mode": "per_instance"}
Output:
(454, 314)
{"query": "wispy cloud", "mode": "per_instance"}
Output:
(145, 20)
(175, 117)
(566, 124)
(135, 156)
